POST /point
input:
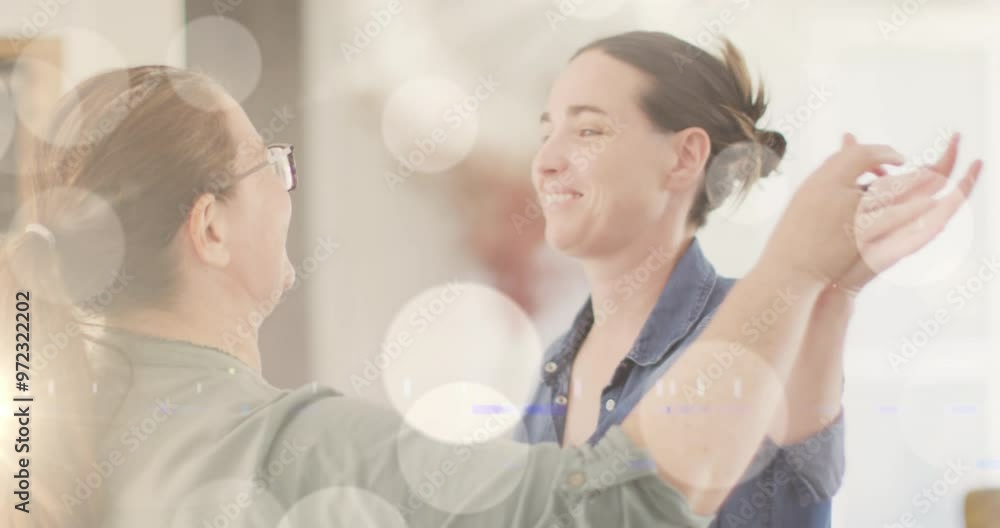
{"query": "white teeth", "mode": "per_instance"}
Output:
(551, 198)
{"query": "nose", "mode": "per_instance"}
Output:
(550, 162)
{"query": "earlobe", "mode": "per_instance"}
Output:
(208, 231)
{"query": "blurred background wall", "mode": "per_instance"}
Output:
(355, 85)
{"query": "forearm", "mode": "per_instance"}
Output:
(815, 385)
(704, 453)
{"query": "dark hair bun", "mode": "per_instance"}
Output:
(775, 144)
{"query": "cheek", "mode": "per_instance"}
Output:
(265, 259)
(623, 188)
(279, 216)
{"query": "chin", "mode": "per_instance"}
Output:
(565, 241)
(289, 280)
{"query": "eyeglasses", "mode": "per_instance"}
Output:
(282, 156)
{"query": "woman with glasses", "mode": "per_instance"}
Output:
(137, 255)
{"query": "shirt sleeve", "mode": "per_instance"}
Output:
(349, 448)
(816, 463)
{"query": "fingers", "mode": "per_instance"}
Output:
(946, 164)
(929, 178)
(872, 225)
(900, 188)
(855, 160)
(913, 234)
(849, 141)
(949, 204)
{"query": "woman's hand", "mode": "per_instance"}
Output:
(885, 234)
(835, 232)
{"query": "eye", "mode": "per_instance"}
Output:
(588, 132)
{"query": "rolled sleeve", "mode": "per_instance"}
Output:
(816, 463)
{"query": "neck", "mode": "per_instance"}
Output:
(626, 285)
(198, 325)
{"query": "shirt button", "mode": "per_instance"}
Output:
(609, 405)
(551, 367)
(561, 400)
(576, 479)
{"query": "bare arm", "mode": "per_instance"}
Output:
(815, 386)
(704, 454)
(816, 380)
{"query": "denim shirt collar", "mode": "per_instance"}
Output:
(677, 309)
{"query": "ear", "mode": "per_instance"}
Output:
(208, 230)
(691, 148)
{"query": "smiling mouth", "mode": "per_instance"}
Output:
(552, 199)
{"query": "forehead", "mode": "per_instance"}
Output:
(240, 126)
(250, 147)
(598, 79)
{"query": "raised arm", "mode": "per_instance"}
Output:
(815, 385)
(703, 454)
(658, 469)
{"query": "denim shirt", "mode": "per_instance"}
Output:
(785, 486)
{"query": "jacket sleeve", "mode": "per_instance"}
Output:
(350, 449)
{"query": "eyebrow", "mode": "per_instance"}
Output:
(574, 111)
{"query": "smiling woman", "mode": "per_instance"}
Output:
(630, 105)
(643, 136)
(109, 450)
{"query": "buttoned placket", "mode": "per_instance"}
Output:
(610, 395)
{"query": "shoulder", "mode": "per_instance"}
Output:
(324, 438)
(317, 412)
